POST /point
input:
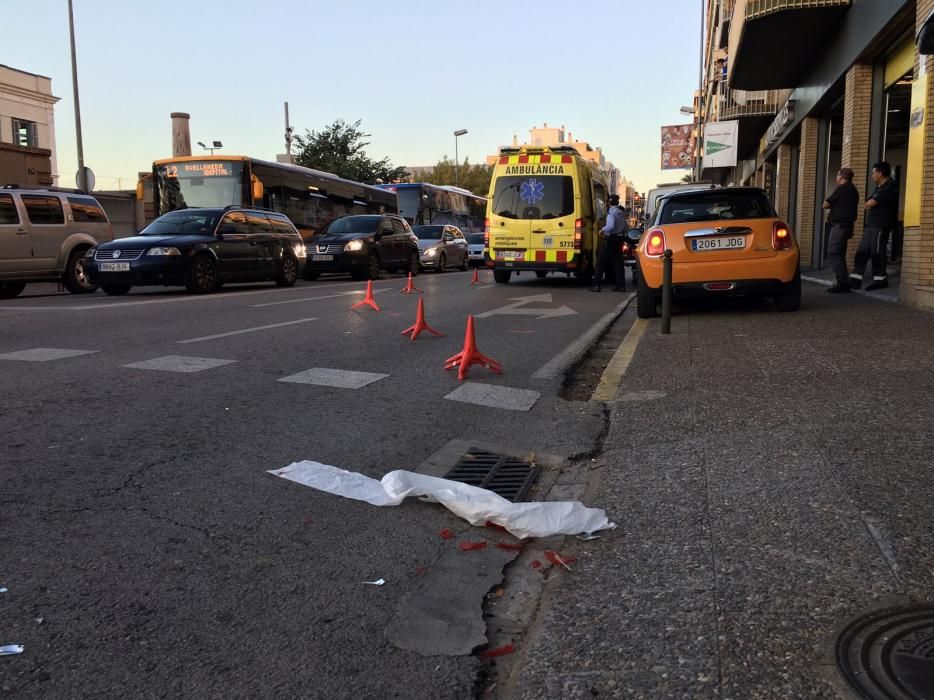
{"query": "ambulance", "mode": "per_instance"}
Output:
(544, 210)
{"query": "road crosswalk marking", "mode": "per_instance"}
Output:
(180, 363)
(44, 354)
(339, 378)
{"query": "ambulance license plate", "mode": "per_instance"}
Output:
(509, 254)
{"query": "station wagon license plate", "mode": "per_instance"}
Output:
(732, 243)
(509, 254)
(114, 266)
(322, 258)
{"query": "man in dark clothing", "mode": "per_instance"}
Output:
(609, 256)
(881, 217)
(842, 203)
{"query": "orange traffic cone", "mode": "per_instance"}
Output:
(409, 288)
(420, 324)
(476, 277)
(368, 300)
(471, 356)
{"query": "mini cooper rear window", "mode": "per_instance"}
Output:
(715, 205)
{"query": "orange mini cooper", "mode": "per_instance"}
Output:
(724, 242)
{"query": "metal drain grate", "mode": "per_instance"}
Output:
(889, 654)
(507, 476)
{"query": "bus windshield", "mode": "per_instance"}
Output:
(202, 183)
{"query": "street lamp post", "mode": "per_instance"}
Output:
(214, 145)
(82, 174)
(459, 132)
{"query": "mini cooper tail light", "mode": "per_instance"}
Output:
(781, 236)
(655, 242)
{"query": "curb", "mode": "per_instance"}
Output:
(868, 295)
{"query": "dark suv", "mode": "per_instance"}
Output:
(201, 249)
(363, 245)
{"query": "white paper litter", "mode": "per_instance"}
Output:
(2, 590)
(377, 582)
(473, 504)
(10, 649)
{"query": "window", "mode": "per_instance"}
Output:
(258, 222)
(25, 133)
(86, 209)
(43, 210)
(282, 225)
(183, 222)
(234, 223)
(544, 197)
(715, 205)
(8, 214)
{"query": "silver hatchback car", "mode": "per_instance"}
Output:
(44, 234)
(441, 246)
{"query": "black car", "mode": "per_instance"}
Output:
(363, 245)
(201, 249)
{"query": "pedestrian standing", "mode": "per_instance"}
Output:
(609, 255)
(842, 204)
(881, 217)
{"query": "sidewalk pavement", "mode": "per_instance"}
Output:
(778, 488)
(826, 278)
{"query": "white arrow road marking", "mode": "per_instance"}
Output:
(519, 308)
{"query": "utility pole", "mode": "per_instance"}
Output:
(82, 174)
(699, 146)
(288, 132)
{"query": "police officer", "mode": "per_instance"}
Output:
(881, 218)
(610, 256)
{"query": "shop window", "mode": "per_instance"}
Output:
(25, 133)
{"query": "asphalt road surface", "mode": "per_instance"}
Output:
(146, 549)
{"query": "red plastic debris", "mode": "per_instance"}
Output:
(421, 570)
(498, 651)
(536, 564)
(308, 520)
(558, 560)
(508, 545)
(494, 526)
(470, 546)
(446, 534)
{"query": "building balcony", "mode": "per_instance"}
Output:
(772, 43)
(740, 104)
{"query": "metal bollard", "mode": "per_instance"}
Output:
(666, 292)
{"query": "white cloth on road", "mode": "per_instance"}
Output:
(475, 505)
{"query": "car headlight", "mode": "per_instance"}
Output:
(354, 245)
(164, 251)
(89, 253)
(431, 252)
(300, 250)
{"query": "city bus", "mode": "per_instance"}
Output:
(424, 203)
(310, 198)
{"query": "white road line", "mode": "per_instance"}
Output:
(171, 300)
(245, 330)
(559, 364)
(355, 292)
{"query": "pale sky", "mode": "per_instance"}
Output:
(612, 72)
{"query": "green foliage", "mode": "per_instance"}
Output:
(475, 178)
(340, 149)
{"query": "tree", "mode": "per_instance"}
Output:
(340, 149)
(687, 178)
(475, 178)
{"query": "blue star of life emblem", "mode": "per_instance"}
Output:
(532, 191)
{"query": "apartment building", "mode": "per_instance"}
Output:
(559, 136)
(27, 129)
(816, 85)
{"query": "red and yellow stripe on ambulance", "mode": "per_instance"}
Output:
(542, 211)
